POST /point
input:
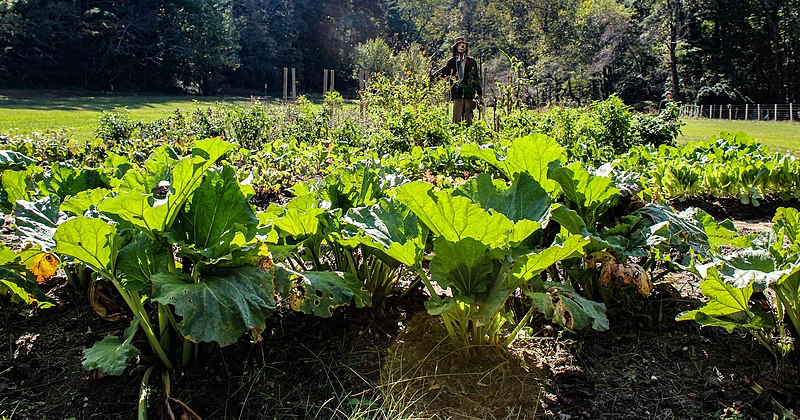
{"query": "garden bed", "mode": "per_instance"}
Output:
(401, 365)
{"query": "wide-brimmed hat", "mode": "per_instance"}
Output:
(459, 40)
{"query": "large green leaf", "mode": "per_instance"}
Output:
(320, 292)
(392, 228)
(562, 305)
(79, 203)
(64, 180)
(723, 233)
(37, 221)
(10, 159)
(140, 260)
(217, 213)
(454, 218)
(18, 185)
(221, 306)
(683, 226)
(524, 199)
(524, 202)
(301, 217)
(751, 268)
(140, 201)
(532, 154)
(530, 265)
(464, 265)
(92, 241)
(587, 194)
(110, 355)
(725, 300)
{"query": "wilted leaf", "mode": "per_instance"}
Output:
(43, 265)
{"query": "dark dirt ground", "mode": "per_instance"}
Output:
(359, 365)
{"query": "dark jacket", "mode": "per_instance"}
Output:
(467, 87)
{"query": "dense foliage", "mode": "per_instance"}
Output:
(573, 51)
(206, 223)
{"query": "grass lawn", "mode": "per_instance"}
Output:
(781, 135)
(23, 112)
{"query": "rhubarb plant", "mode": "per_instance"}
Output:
(483, 251)
(221, 288)
(756, 289)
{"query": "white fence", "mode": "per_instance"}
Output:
(760, 112)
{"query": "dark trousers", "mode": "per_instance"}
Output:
(462, 110)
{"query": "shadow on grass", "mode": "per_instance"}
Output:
(87, 101)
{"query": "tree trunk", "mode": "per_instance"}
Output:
(672, 47)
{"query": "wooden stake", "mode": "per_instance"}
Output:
(294, 86)
(324, 82)
(285, 84)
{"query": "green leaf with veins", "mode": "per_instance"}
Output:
(18, 185)
(138, 205)
(390, 227)
(454, 218)
(531, 154)
(81, 202)
(110, 355)
(725, 300)
(220, 307)
(320, 292)
(587, 194)
(92, 241)
(217, 213)
(301, 217)
(465, 266)
(37, 221)
(140, 260)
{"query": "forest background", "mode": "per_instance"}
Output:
(574, 51)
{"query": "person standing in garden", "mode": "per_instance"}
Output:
(463, 71)
(664, 102)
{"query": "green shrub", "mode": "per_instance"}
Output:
(115, 126)
(656, 130)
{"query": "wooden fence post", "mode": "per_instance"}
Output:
(324, 82)
(294, 86)
(776, 113)
(791, 111)
(758, 112)
(746, 111)
(730, 112)
(285, 84)
(333, 80)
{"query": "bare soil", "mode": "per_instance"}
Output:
(358, 364)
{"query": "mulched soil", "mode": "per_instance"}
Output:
(647, 366)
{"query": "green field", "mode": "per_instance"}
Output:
(782, 135)
(38, 111)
